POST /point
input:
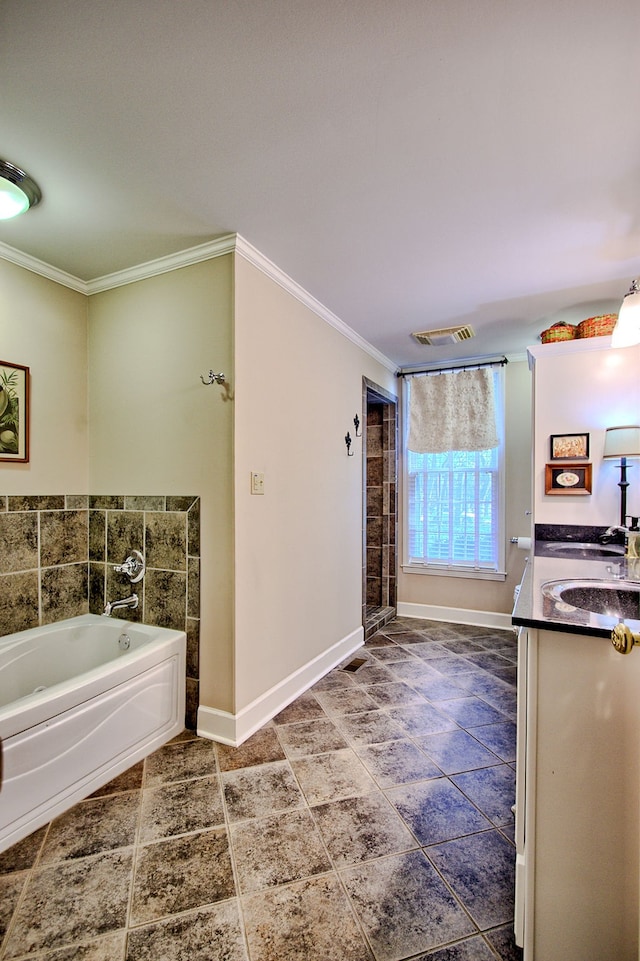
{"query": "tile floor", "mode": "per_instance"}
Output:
(370, 821)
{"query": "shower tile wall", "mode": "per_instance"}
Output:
(381, 508)
(57, 555)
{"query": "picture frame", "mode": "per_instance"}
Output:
(567, 479)
(569, 447)
(14, 413)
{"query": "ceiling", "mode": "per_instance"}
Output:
(410, 163)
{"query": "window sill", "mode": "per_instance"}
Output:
(470, 573)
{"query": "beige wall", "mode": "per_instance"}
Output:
(585, 386)
(43, 326)
(155, 428)
(488, 595)
(298, 547)
(281, 573)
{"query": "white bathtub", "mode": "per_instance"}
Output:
(76, 710)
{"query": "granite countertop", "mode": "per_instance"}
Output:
(534, 609)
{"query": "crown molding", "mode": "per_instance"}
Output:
(162, 265)
(253, 256)
(44, 270)
(230, 243)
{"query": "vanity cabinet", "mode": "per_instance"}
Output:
(578, 798)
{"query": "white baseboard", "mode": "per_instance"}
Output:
(233, 729)
(456, 615)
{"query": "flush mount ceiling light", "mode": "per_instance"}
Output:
(18, 191)
(626, 333)
(444, 335)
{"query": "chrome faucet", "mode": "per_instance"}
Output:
(111, 606)
(608, 534)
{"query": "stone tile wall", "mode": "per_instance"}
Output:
(57, 555)
(380, 501)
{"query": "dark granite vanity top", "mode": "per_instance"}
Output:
(548, 562)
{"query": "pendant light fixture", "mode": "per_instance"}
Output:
(18, 192)
(626, 333)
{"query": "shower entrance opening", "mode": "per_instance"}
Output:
(380, 506)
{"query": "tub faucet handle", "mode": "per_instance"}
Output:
(133, 567)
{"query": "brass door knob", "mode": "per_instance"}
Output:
(623, 638)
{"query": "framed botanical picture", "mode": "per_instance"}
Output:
(569, 447)
(14, 412)
(567, 479)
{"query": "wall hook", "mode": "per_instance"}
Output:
(347, 440)
(356, 424)
(213, 378)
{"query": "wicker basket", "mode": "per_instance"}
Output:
(597, 326)
(558, 332)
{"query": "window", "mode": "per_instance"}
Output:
(454, 507)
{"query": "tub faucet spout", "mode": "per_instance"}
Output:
(111, 606)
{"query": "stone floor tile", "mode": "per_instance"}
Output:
(456, 751)
(11, 886)
(310, 737)
(470, 711)
(463, 645)
(378, 640)
(436, 687)
(304, 708)
(394, 694)
(397, 762)
(481, 871)
(492, 789)
(23, 854)
(180, 808)
(71, 901)
(129, 780)
(426, 650)
(370, 727)
(260, 748)
(278, 849)
(180, 761)
(329, 777)
(499, 738)
(470, 949)
(404, 906)
(361, 828)
(416, 719)
(93, 826)
(376, 673)
(436, 810)
(503, 941)
(210, 934)
(349, 701)
(260, 791)
(305, 921)
(109, 948)
(450, 664)
(180, 874)
(335, 679)
(181, 885)
(413, 672)
(393, 652)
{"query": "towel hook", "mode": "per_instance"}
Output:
(213, 378)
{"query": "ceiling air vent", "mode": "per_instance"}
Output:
(444, 335)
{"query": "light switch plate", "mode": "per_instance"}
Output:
(257, 482)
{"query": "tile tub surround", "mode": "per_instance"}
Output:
(57, 556)
(376, 806)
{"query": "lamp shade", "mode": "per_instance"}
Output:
(626, 333)
(622, 442)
